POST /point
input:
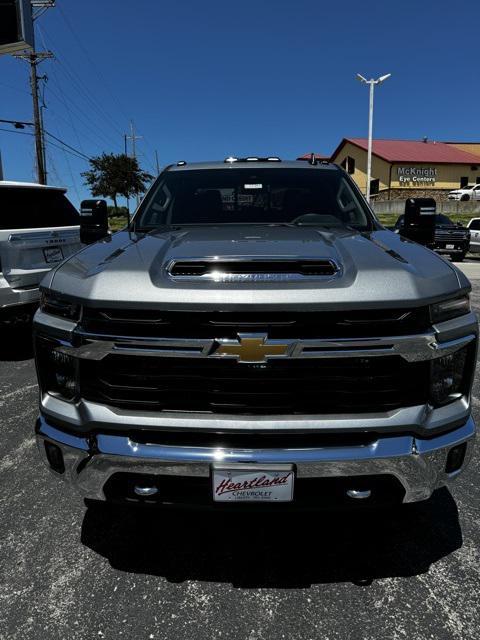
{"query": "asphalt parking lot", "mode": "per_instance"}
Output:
(68, 572)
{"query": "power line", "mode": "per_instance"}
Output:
(80, 115)
(82, 88)
(69, 167)
(58, 116)
(75, 80)
(65, 144)
(92, 63)
(63, 100)
(21, 133)
(68, 149)
(72, 153)
(8, 86)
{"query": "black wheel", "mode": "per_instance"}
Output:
(458, 257)
(465, 197)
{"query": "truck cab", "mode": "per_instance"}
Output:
(39, 227)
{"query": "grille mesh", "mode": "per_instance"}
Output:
(304, 386)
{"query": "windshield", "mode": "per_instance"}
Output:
(30, 208)
(253, 196)
(441, 219)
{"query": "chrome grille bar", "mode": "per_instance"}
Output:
(413, 348)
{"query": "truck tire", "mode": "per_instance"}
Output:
(458, 257)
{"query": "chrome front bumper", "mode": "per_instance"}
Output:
(419, 464)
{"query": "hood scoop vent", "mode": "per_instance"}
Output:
(254, 269)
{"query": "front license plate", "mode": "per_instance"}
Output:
(247, 484)
(53, 254)
(449, 246)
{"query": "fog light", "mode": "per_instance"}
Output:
(55, 457)
(57, 371)
(447, 375)
(455, 458)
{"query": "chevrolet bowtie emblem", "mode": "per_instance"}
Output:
(251, 348)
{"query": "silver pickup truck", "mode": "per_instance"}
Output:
(255, 336)
(39, 227)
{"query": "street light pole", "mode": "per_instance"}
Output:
(370, 133)
(372, 84)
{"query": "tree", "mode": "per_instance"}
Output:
(113, 175)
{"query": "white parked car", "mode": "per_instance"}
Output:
(474, 226)
(469, 192)
(39, 227)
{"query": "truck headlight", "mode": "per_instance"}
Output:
(448, 309)
(447, 377)
(57, 371)
(58, 305)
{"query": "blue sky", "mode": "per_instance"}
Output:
(204, 80)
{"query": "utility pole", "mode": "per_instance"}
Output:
(34, 58)
(133, 137)
(156, 162)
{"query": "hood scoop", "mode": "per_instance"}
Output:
(253, 269)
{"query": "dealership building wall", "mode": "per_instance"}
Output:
(403, 168)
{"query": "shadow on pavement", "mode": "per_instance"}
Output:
(282, 551)
(16, 342)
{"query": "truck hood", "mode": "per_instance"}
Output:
(379, 269)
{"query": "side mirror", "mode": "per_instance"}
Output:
(93, 221)
(419, 221)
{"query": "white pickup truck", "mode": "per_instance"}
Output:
(39, 227)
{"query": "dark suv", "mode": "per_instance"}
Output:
(450, 238)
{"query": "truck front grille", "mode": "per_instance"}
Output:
(282, 324)
(445, 236)
(303, 386)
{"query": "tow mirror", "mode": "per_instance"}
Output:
(93, 221)
(419, 220)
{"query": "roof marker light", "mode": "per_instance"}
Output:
(181, 163)
(231, 159)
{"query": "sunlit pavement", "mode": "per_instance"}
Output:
(72, 573)
(470, 267)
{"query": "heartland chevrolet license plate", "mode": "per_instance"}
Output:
(53, 254)
(247, 484)
(449, 246)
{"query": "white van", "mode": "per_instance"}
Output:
(39, 227)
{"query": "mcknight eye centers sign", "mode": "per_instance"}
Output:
(423, 175)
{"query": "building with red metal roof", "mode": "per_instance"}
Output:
(413, 151)
(406, 168)
(318, 156)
